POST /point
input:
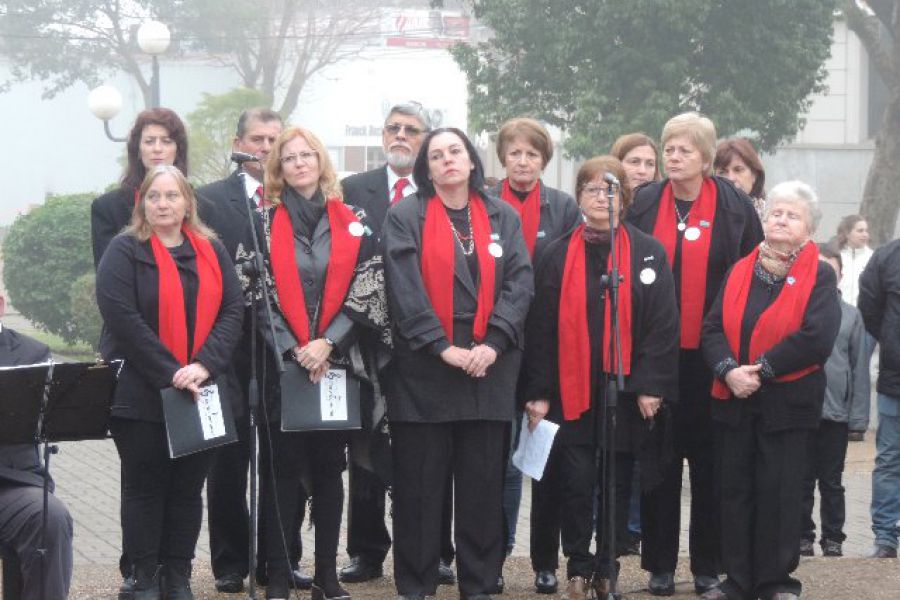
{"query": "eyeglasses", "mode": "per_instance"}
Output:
(593, 191)
(304, 157)
(395, 128)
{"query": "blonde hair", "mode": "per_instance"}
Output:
(140, 228)
(699, 130)
(328, 181)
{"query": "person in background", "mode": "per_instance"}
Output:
(852, 241)
(524, 148)
(172, 307)
(738, 162)
(766, 338)
(846, 408)
(879, 303)
(22, 495)
(639, 157)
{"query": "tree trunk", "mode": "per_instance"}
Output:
(881, 198)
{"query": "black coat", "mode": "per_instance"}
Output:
(790, 404)
(421, 387)
(654, 337)
(20, 463)
(128, 297)
(559, 216)
(111, 212)
(369, 191)
(879, 303)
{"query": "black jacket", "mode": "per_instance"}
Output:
(559, 216)
(790, 404)
(879, 303)
(369, 191)
(421, 387)
(20, 463)
(654, 334)
(128, 297)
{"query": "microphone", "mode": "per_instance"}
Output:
(242, 157)
(607, 177)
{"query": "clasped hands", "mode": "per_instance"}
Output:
(474, 361)
(744, 380)
(190, 378)
(314, 358)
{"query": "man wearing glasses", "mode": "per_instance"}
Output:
(368, 540)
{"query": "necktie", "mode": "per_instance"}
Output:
(261, 202)
(398, 189)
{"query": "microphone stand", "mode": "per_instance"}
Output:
(257, 288)
(614, 385)
(48, 450)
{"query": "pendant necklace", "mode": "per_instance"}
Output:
(466, 242)
(682, 221)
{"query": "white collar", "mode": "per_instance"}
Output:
(392, 178)
(250, 184)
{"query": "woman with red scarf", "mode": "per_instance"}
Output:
(314, 245)
(766, 337)
(459, 284)
(524, 148)
(172, 308)
(566, 373)
(705, 225)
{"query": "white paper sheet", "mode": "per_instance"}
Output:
(333, 395)
(534, 447)
(210, 408)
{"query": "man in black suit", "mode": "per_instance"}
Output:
(22, 495)
(368, 540)
(229, 531)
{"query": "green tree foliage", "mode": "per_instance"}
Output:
(86, 320)
(43, 253)
(212, 128)
(603, 68)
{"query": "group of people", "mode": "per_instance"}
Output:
(457, 306)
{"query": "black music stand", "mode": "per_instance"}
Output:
(54, 403)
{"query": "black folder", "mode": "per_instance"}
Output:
(183, 426)
(302, 406)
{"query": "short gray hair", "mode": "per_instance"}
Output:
(411, 109)
(796, 191)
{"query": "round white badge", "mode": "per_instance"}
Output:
(356, 229)
(495, 249)
(648, 276)
(692, 234)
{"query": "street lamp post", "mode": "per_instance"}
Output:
(105, 101)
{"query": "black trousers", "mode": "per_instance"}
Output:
(21, 516)
(323, 453)
(367, 534)
(546, 512)
(580, 479)
(761, 477)
(825, 464)
(661, 507)
(425, 456)
(162, 506)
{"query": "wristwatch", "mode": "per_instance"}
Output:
(329, 341)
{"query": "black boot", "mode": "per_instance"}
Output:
(325, 582)
(146, 582)
(177, 580)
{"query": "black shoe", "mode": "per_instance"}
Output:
(177, 581)
(230, 583)
(831, 548)
(662, 584)
(335, 592)
(704, 583)
(411, 597)
(806, 548)
(445, 574)
(498, 587)
(360, 570)
(545, 582)
(714, 594)
(126, 590)
(882, 551)
(146, 584)
(302, 581)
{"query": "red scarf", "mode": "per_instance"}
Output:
(341, 266)
(694, 255)
(574, 342)
(172, 316)
(529, 211)
(439, 263)
(782, 318)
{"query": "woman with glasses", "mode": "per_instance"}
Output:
(705, 225)
(459, 284)
(314, 244)
(566, 374)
